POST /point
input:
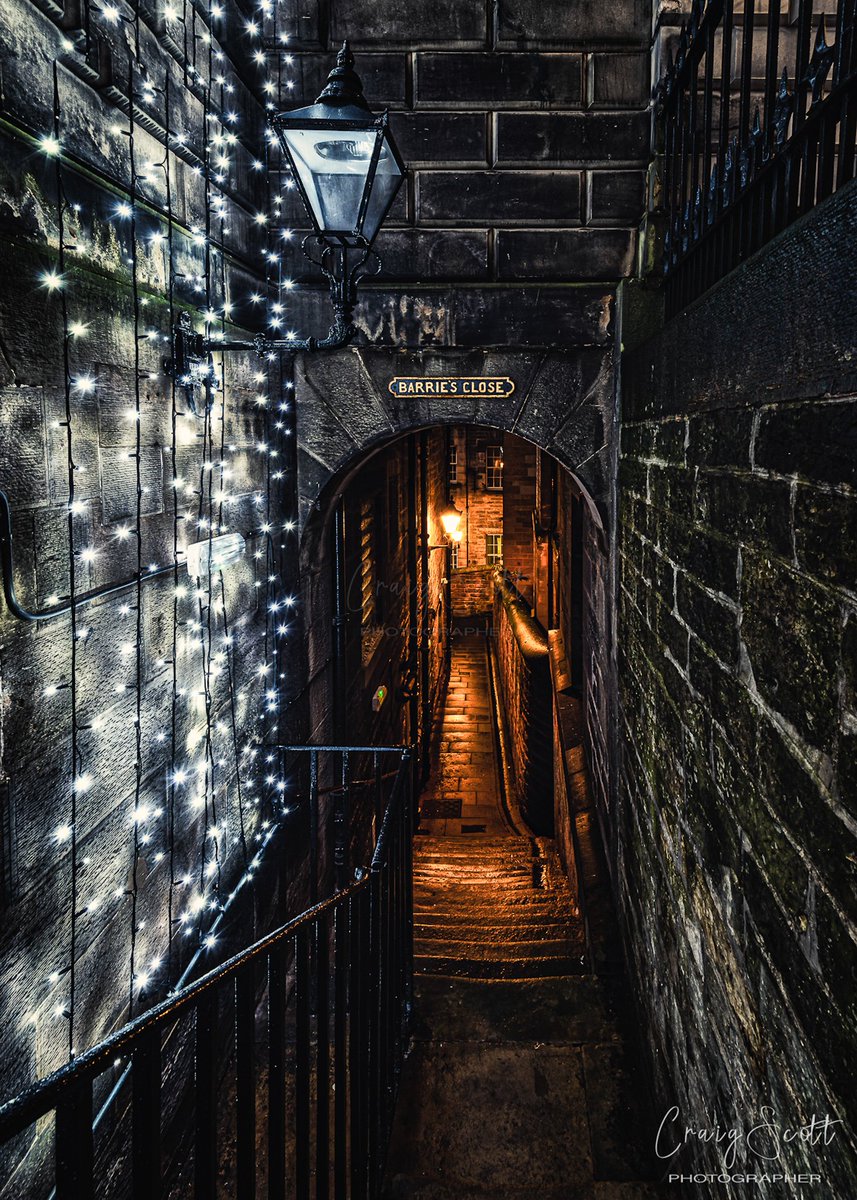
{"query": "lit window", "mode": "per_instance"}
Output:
(493, 549)
(494, 468)
(453, 556)
(453, 464)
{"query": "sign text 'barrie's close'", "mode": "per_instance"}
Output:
(462, 385)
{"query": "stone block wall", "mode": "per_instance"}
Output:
(162, 684)
(472, 591)
(738, 639)
(525, 128)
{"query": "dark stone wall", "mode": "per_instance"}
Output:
(129, 888)
(737, 837)
(525, 130)
(405, 650)
(519, 502)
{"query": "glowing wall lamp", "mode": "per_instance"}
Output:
(348, 172)
(450, 519)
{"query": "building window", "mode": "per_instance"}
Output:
(453, 556)
(493, 549)
(453, 464)
(494, 469)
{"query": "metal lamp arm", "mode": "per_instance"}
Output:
(189, 347)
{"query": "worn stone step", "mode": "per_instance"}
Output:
(469, 843)
(505, 951)
(494, 887)
(405, 1187)
(450, 872)
(518, 968)
(514, 913)
(492, 922)
(467, 897)
(577, 1009)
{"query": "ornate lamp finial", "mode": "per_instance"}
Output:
(343, 83)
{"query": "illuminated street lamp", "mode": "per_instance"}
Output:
(343, 159)
(450, 519)
(348, 172)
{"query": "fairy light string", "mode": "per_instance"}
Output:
(202, 814)
(69, 832)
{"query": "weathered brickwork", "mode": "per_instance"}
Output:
(472, 591)
(737, 639)
(519, 500)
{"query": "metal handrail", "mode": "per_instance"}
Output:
(338, 986)
(38, 1099)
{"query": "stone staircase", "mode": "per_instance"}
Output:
(493, 907)
(520, 1083)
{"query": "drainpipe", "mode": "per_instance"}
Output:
(339, 624)
(413, 596)
(425, 675)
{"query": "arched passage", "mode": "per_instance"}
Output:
(502, 684)
(563, 402)
(376, 607)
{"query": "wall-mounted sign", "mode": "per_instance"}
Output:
(378, 699)
(471, 386)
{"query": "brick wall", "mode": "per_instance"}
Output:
(519, 498)
(472, 591)
(737, 633)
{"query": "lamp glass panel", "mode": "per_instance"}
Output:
(333, 165)
(388, 176)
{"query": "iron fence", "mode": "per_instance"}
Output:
(755, 132)
(274, 1074)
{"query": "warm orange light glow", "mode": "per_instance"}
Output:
(450, 519)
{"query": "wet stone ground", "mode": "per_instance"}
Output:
(521, 1081)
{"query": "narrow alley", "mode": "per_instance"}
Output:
(520, 1079)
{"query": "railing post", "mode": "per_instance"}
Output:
(374, 1026)
(340, 825)
(205, 1107)
(322, 1063)
(343, 1031)
(146, 1117)
(277, 1074)
(74, 1145)
(302, 1067)
(359, 1044)
(313, 826)
(410, 820)
(245, 1057)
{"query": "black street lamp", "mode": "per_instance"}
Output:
(348, 171)
(343, 159)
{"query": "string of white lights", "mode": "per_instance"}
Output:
(196, 752)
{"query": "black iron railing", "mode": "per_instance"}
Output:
(273, 1075)
(759, 121)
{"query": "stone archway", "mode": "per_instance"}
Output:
(563, 402)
